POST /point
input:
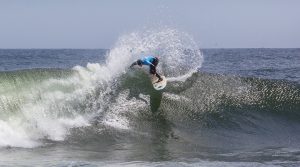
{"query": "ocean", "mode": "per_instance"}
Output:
(84, 107)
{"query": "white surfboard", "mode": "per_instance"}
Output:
(158, 85)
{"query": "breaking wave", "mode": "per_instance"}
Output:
(47, 104)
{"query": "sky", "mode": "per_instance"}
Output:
(99, 23)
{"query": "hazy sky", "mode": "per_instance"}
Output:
(99, 23)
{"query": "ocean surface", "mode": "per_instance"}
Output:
(84, 107)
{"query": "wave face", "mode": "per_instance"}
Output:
(55, 104)
(218, 104)
(231, 102)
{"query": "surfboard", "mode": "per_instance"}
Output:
(158, 85)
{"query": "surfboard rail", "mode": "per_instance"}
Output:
(159, 85)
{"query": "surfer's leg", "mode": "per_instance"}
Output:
(152, 70)
(159, 78)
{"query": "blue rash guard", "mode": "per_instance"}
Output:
(148, 60)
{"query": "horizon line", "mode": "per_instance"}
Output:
(112, 48)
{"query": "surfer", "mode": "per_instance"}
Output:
(152, 62)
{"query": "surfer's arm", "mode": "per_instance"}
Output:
(133, 64)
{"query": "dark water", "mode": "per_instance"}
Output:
(19, 59)
(242, 108)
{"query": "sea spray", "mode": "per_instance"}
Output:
(177, 51)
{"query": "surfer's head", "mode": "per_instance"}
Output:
(155, 61)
